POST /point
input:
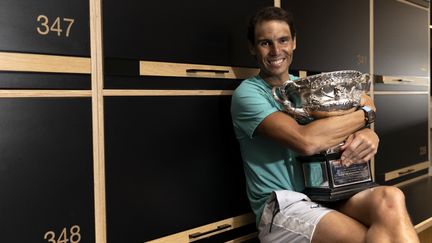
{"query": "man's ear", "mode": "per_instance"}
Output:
(294, 44)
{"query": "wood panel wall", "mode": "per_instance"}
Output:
(56, 68)
(71, 86)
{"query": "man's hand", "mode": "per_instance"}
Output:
(366, 100)
(359, 147)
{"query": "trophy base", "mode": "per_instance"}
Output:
(338, 193)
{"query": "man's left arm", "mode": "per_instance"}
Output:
(362, 145)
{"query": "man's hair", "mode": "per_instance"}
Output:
(268, 14)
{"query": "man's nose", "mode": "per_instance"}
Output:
(275, 49)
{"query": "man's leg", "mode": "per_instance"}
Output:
(374, 215)
(383, 210)
(336, 227)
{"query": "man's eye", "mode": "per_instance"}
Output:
(264, 43)
(283, 41)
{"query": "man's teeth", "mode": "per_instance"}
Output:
(278, 61)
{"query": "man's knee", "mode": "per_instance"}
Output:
(389, 201)
(392, 197)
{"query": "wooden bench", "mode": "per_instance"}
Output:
(418, 194)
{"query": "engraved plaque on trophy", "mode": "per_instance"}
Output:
(319, 96)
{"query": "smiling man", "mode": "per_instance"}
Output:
(270, 140)
(273, 48)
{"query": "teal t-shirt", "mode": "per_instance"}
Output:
(268, 165)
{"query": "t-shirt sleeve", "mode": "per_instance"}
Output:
(249, 107)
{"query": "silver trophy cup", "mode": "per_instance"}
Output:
(319, 96)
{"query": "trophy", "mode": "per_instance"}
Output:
(318, 96)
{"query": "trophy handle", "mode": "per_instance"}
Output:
(297, 113)
(276, 96)
(282, 99)
(365, 79)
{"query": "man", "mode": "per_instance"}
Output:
(270, 140)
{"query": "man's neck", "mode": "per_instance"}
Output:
(274, 80)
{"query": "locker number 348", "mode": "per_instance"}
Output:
(72, 235)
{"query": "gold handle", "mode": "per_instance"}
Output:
(199, 234)
(406, 171)
(196, 70)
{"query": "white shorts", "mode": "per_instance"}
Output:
(290, 216)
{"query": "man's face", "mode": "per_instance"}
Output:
(273, 49)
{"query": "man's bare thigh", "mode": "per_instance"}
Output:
(337, 227)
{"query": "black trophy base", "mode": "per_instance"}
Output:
(338, 193)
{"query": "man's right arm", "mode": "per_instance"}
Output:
(313, 137)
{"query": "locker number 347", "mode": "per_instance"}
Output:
(61, 26)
